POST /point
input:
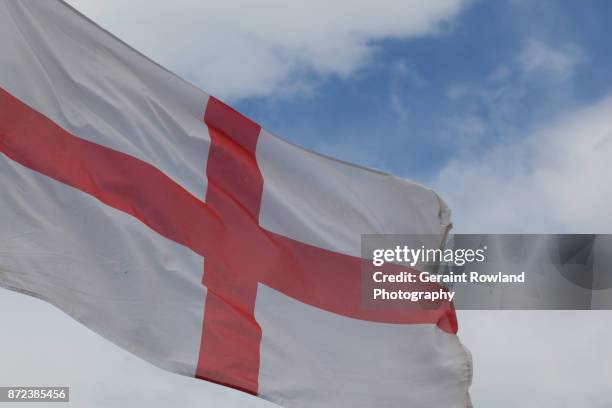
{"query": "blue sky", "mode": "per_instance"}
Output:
(504, 107)
(402, 111)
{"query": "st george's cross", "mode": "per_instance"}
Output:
(74, 101)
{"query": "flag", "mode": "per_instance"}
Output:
(185, 233)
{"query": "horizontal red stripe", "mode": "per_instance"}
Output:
(117, 179)
(332, 281)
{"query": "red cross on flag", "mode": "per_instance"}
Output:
(188, 235)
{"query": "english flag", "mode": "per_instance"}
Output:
(188, 235)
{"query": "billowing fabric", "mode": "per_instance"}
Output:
(180, 230)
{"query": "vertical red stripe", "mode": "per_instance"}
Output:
(231, 336)
(230, 340)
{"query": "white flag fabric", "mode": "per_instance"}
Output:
(180, 230)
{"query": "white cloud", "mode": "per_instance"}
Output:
(539, 359)
(555, 180)
(552, 179)
(521, 93)
(399, 108)
(538, 57)
(239, 49)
